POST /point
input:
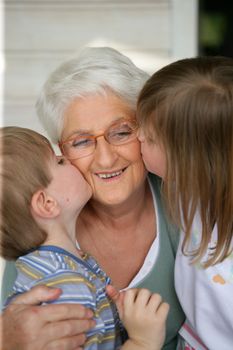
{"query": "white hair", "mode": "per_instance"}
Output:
(95, 71)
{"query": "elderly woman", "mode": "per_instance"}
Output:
(88, 107)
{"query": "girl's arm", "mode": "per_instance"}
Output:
(144, 317)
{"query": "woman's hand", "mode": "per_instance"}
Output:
(144, 316)
(27, 326)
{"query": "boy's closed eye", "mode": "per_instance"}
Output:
(60, 160)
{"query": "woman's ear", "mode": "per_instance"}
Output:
(44, 205)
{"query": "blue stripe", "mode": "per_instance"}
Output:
(59, 250)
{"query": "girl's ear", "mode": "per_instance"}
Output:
(44, 205)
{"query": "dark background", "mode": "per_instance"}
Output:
(216, 27)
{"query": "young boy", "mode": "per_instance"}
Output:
(42, 196)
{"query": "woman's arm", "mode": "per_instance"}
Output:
(26, 326)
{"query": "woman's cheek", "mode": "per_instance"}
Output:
(133, 151)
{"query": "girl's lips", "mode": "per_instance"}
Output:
(109, 175)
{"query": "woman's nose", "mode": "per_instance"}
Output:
(105, 153)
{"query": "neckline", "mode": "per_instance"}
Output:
(59, 250)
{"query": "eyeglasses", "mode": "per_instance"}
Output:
(83, 145)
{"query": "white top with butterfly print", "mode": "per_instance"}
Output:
(206, 296)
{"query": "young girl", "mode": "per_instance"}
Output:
(185, 111)
(41, 198)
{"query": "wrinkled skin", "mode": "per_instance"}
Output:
(25, 325)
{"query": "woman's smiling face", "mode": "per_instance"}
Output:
(114, 172)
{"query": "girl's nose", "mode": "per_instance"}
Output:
(140, 135)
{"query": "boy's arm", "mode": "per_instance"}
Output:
(144, 317)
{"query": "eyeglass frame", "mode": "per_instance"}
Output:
(70, 139)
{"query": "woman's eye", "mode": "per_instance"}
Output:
(82, 143)
(120, 133)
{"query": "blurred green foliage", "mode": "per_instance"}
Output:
(212, 29)
(216, 27)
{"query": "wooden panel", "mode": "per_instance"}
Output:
(26, 72)
(49, 28)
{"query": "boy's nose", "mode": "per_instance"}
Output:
(63, 159)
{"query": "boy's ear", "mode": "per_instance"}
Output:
(44, 205)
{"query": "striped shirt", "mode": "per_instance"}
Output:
(82, 281)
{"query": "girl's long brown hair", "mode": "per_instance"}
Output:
(188, 107)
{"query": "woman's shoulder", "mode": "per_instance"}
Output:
(156, 188)
(155, 180)
(168, 230)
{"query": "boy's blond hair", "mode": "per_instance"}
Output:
(24, 170)
(187, 106)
